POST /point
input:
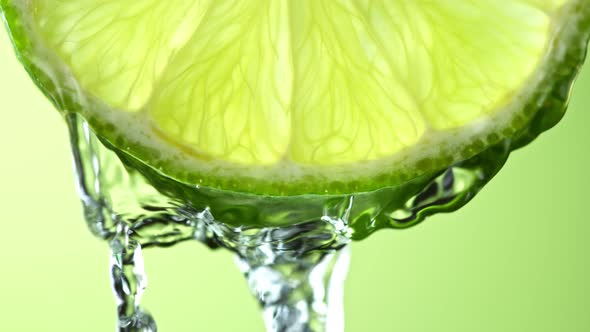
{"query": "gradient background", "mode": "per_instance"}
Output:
(517, 258)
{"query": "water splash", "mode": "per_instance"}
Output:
(295, 265)
(302, 294)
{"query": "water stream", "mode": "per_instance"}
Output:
(296, 271)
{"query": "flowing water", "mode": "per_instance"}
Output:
(295, 270)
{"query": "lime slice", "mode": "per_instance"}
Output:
(303, 97)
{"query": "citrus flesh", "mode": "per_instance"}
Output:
(297, 97)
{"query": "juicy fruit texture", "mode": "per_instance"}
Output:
(116, 49)
(302, 91)
(317, 82)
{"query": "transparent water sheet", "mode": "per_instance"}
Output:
(296, 272)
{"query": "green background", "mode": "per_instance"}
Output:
(516, 258)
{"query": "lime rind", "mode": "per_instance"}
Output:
(392, 207)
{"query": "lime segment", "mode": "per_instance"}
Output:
(117, 49)
(313, 82)
(227, 93)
